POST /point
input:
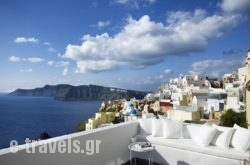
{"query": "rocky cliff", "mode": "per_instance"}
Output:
(83, 92)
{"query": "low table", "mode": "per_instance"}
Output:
(145, 147)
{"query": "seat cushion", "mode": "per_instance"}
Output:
(190, 145)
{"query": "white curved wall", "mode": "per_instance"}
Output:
(113, 149)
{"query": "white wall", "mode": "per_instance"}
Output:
(233, 102)
(113, 149)
(183, 115)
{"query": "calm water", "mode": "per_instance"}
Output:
(27, 117)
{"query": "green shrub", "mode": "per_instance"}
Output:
(111, 109)
(230, 117)
(80, 127)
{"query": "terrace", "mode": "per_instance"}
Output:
(109, 146)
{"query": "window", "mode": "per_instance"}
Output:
(213, 96)
(223, 96)
(236, 85)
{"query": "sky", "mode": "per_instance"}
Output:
(130, 44)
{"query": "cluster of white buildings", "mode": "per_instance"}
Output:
(192, 96)
(189, 97)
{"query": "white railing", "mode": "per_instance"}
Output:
(102, 146)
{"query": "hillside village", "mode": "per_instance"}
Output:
(190, 98)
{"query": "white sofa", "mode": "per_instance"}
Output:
(192, 144)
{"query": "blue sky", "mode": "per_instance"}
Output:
(132, 44)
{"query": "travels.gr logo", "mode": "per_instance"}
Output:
(61, 146)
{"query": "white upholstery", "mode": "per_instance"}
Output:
(157, 127)
(145, 126)
(186, 149)
(190, 145)
(172, 129)
(223, 136)
(241, 138)
(201, 135)
(148, 115)
(185, 132)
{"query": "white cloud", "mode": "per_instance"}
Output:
(215, 68)
(47, 43)
(65, 71)
(59, 64)
(29, 59)
(62, 64)
(130, 3)
(50, 47)
(52, 50)
(144, 42)
(95, 66)
(14, 59)
(101, 24)
(135, 4)
(26, 40)
(122, 1)
(147, 80)
(26, 70)
(161, 76)
(167, 71)
(235, 5)
(151, 1)
(34, 59)
(50, 63)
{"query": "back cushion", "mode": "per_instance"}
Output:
(201, 135)
(145, 126)
(172, 129)
(241, 138)
(157, 127)
(185, 132)
(222, 137)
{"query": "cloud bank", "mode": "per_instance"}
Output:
(235, 5)
(216, 68)
(144, 42)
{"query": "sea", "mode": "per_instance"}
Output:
(24, 117)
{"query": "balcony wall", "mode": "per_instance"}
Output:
(113, 149)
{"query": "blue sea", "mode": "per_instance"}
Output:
(27, 117)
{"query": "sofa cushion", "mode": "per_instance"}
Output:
(222, 136)
(172, 128)
(145, 126)
(190, 145)
(241, 138)
(201, 135)
(185, 132)
(157, 127)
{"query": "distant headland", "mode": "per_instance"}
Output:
(82, 92)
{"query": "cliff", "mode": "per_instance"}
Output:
(83, 92)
